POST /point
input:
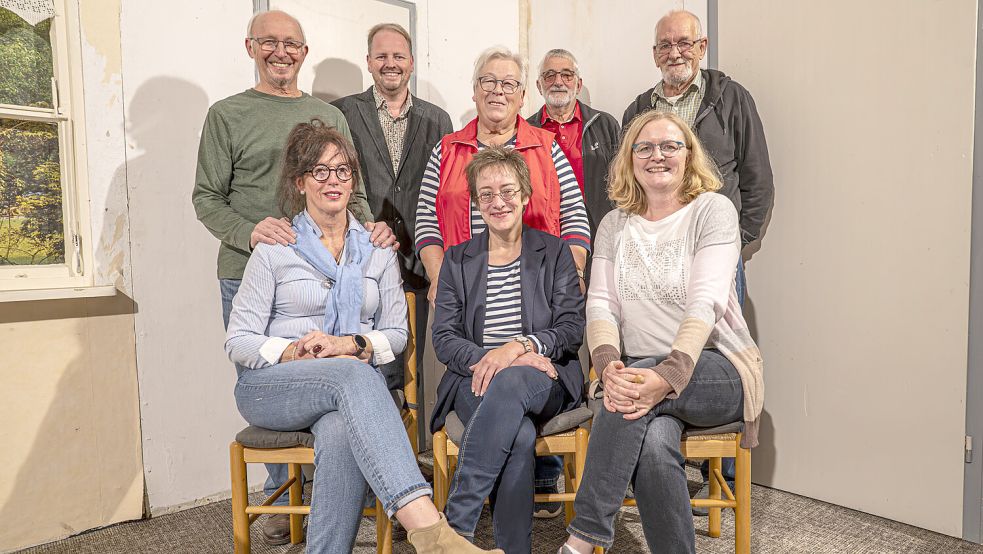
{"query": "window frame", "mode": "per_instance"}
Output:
(68, 114)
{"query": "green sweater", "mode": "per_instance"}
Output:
(239, 165)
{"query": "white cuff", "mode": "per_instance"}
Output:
(539, 344)
(382, 351)
(273, 348)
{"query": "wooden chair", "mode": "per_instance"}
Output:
(254, 445)
(715, 443)
(561, 436)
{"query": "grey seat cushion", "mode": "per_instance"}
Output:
(736, 427)
(258, 437)
(562, 422)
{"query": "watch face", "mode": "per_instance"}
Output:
(360, 341)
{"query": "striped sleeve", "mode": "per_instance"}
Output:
(574, 225)
(427, 229)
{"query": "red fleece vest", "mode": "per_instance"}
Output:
(454, 200)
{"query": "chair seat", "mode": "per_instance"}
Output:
(558, 424)
(728, 429)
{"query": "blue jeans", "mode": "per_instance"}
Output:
(497, 453)
(358, 437)
(278, 473)
(645, 452)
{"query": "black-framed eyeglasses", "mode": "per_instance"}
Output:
(322, 173)
(506, 195)
(566, 75)
(489, 84)
(683, 46)
(645, 149)
(268, 44)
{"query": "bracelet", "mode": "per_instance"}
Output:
(293, 352)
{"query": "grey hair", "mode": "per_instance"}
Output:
(252, 20)
(699, 25)
(560, 53)
(501, 53)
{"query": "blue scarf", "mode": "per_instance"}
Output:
(343, 308)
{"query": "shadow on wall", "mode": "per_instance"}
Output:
(335, 78)
(764, 458)
(84, 455)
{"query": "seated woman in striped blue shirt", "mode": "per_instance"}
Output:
(509, 320)
(312, 322)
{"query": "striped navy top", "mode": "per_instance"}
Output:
(574, 225)
(503, 305)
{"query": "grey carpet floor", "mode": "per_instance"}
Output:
(781, 523)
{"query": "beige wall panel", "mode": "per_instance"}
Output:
(859, 293)
(71, 434)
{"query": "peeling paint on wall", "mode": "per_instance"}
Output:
(101, 31)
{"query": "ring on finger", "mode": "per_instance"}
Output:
(317, 349)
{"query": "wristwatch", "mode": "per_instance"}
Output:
(360, 344)
(525, 342)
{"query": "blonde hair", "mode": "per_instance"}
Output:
(699, 176)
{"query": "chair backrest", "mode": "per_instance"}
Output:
(410, 371)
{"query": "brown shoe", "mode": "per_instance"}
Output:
(276, 529)
(439, 538)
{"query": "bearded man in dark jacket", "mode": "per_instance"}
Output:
(723, 115)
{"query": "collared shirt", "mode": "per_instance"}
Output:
(282, 297)
(393, 128)
(686, 105)
(569, 136)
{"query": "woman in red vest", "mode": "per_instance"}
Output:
(445, 215)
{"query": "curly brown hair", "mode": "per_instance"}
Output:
(305, 146)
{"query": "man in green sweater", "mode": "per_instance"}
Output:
(239, 165)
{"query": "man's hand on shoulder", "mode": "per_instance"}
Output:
(272, 231)
(381, 235)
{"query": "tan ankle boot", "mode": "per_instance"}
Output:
(439, 538)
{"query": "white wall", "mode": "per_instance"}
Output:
(860, 289)
(188, 413)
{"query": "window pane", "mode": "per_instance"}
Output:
(31, 219)
(25, 61)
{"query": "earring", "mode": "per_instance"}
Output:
(303, 192)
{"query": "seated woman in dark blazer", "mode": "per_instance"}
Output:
(509, 320)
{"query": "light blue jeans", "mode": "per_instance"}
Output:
(358, 437)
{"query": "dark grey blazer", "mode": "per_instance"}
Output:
(393, 198)
(552, 310)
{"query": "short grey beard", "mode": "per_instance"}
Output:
(553, 103)
(673, 81)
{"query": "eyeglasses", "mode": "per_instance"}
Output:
(566, 75)
(683, 46)
(268, 44)
(488, 84)
(505, 195)
(669, 148)
(322, 173)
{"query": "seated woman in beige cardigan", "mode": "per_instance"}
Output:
(662, 285)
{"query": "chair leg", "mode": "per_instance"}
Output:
(240, 499)
(383, 530)
(568, 486)
(742, 513)
(295, 471)
(440, 470)
(581, 438)
(713, 526)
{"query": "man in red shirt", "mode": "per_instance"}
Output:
(588, 137)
